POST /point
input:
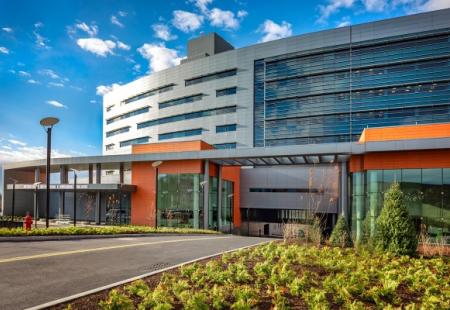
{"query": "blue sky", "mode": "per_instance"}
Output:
(58, 57)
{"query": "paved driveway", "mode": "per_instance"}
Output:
(32, 273)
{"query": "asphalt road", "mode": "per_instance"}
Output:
(33, 273)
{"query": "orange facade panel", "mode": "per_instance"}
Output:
(143, 201)
(234, 174)
(409, 132)
(401, 160)
(171, 147)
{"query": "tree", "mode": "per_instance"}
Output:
(394, 229)
(341, 234)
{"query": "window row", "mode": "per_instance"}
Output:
(187, 116)
(210, 77)
(117, 131)
(180, 134)
(149, 93)
(226, 128)
(140, 140)
(226, 92)
(178, 101)
(127, 115)
(230, 145)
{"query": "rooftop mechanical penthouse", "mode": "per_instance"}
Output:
(324, 121)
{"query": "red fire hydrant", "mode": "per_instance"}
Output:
(27, 221)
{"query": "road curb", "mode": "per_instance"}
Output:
(112, 285)
(81, 237)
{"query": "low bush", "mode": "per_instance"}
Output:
(106, 230)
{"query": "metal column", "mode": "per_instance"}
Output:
(98, 180)
(91, 173)
(63, 179)
(219, 198)
(206, 195)
(121, 176)
(344, 191)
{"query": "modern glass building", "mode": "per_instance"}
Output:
(313, 120)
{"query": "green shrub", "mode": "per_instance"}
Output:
(341, 234)
(395, 232)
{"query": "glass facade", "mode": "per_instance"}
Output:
(180, 201)
(231, 145)
(226, 128)
(180, 134)
(427, 196)
(226, 92)
(134, 141)
(127, 115)
(149, 93)
(178, 101)
(117, 131)
(210, 77)
(331, 96)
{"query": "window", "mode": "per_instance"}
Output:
(117, 131)
(180, 134)
(179, 101)
(226, 91)
(209, 77)
(182, 117)
(231, 145)
(149, 93)
(109, 108)
(109, 147)
(134, 141)
(127, 115)
(226, 128)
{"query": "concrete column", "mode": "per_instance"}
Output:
(98, 173)
(219, 198)
(98, 215)
(121, 173)
(195, 202)
(206, 195)
(91, 173)
(343, 197)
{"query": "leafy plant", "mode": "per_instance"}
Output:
(117, 301)
(394, 229)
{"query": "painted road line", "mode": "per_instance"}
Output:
(53, 254)
(112, 285)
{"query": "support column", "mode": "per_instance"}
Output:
(343, 197)
(98, 173)
(91, 173)
(196, 201)
(219, 198)
(121, 173)
(206, 195)
(63, 179)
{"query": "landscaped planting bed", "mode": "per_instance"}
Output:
(289, 276)
(107, 230)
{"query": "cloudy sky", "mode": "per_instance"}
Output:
(58, 57)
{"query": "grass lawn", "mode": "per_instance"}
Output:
(106, 230)
(289, 276)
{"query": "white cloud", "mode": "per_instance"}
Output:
(332, 7)
(242, 13)
(221, 18)
(187, 21)
(23, 73)
(40, 40)
(137, 68)
(162, 32)
(123, 46)
(56, 104)
(31, 81)
(93, 101)
(345, 21)
(97, 46)
(4, 50)
(13, 153)
(48, 72)
(115, 21)
(54, 84)
(202, 5)
(16, 142)
(159, 56)
(7, 29)
(102, 90)
(122, 13)
(274, 31)
(432, 5)
(91, 30)
(374, 5)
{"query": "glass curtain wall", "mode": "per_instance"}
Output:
(180, 201)
(427, 196)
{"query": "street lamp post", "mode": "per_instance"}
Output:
(13, 200)
(155, 165)
(48, 124)
(75, 175)
(35, 212)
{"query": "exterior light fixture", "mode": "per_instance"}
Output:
(48, 124)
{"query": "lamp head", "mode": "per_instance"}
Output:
(157, 163)
(14, 180)
(49, 121)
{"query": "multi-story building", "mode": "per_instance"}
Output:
(298, 108)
